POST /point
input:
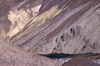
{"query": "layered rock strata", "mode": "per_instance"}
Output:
(53, 26)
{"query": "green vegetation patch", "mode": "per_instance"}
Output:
(62, 55)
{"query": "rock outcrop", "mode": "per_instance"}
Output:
(11, 55)
(53, 26)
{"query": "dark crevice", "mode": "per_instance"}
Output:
(62, 38)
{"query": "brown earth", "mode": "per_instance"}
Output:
(80, 61)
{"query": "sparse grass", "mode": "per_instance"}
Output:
(62, 55)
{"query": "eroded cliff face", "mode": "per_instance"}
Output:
(5, 23)
(54, 26)
(15, 15)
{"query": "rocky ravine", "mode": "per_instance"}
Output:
(49, 26)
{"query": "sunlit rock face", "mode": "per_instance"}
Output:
(53, 26)
(20, 18)
(5, 23)
(17, 16)
(11, 55)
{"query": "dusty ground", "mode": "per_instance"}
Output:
(11, 55)
(80, 61)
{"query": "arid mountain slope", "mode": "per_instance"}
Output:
(11, 55)
(80, 61)
(54, 26)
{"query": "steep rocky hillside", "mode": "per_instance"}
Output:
(52, 26)
(47, 27)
